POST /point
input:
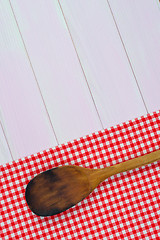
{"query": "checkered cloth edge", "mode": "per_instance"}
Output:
(125, 206)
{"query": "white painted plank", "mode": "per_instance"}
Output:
(58, 71)
(23, 114)
(138, 22)
(104, 60)
(5, 155)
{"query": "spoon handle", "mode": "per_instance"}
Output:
(130, 164)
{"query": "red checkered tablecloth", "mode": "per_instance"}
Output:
(125, 206)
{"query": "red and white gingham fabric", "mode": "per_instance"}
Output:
(125, 206)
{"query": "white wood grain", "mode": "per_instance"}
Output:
(5, 155)
(139, 24)
(23, 114)
(56, 65)
(104, 60)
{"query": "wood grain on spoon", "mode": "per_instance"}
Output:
(58, 189)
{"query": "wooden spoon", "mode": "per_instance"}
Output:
(58, 189)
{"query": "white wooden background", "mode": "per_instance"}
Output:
(69, 68)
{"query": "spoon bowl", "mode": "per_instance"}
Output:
(57, 190)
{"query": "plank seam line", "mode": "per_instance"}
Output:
(127, 56)
(6, 140)
(33, 71)
(83, 71)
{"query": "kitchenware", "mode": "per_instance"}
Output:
(58, 189)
